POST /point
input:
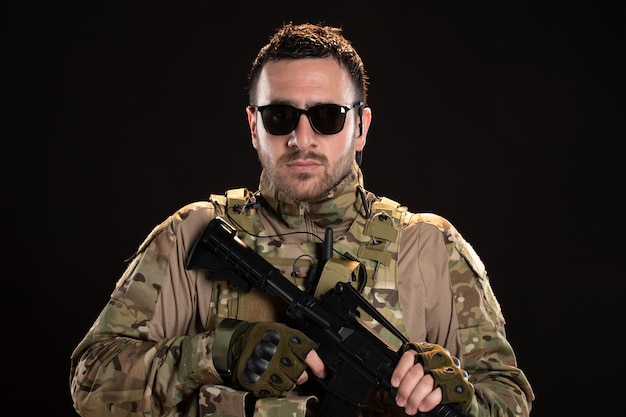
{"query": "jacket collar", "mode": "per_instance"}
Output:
(338, 209)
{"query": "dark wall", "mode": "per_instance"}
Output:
(499, 117)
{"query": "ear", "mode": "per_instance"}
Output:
(366, 120)
(251, 113)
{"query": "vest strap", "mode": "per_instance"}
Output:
(237, 199)
(384, 228)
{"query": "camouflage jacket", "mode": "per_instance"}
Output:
(149, 351)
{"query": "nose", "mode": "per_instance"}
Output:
(303, 136)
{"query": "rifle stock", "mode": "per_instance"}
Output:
(357, 358)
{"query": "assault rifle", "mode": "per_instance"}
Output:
(358, 358)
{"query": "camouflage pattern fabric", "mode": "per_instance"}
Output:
(223, 401)
(220, 400)
(294, 259)
(148, 353)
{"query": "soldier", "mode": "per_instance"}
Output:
(179, 341)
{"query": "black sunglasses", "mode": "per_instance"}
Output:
(327, 119)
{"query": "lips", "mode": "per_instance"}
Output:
(304, 165)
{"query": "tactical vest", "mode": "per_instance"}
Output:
(371, 242)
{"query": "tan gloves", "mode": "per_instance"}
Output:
(446, 371)
(266, 357)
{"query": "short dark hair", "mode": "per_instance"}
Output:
(309, 40)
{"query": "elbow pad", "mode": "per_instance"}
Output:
(265, 358)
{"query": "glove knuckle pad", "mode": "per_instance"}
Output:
(272, 358)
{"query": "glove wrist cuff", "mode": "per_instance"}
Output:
(221, 345)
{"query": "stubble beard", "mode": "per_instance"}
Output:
(306, 187)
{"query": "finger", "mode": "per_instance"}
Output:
(407, 360)
(409, 383)
(302, 378)
(431, 400)
(315, 364)
(422, 396)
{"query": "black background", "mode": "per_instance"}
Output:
(502, 117)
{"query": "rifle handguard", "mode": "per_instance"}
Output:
(446, 371)
(265, 358)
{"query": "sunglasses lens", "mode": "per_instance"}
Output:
(327, 119)
(279, 120)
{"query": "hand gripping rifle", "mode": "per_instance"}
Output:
(358, 358)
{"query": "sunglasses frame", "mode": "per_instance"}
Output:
(344, 111)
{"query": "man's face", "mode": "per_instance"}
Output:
(303, 163)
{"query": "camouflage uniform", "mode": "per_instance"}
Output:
(149, 351)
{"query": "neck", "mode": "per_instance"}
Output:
(337, 209)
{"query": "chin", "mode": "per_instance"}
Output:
(300, 192)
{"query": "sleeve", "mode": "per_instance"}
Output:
(501, 387)
(127, 364)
